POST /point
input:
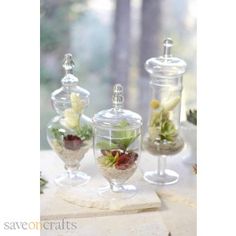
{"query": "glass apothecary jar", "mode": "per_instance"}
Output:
(117, 146)
(70, 132)
(163, 138)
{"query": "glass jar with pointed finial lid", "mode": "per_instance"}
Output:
(162, 138)
(70, 132)
(117, 146)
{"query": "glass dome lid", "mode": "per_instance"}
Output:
(166, 65)
(61, 98)
(117, 118)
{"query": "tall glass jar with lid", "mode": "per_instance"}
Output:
(163, 137)
(70, 132)
(117, 146)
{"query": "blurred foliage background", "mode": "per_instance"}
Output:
(110, 41)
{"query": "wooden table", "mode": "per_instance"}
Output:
(176, 215)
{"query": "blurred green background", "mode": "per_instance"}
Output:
(110, 41)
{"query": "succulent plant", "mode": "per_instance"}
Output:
(57, 133)
(124, 137)
(72, 142)
(168, 130)
(161, 127)
(126, 160)
(121, 139)
(85, 132)
(43, 183)
(75, 135)
(115, 152)
(119, 159)
(109, 158)
(192, 116)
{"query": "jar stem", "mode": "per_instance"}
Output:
(72, 170)
(161, 165)
(116, 187)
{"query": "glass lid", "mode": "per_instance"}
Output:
(117, 117)
(166, 65)
(62, 97)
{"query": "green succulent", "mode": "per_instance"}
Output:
(57, 133)
(108, 160)
(43, 183)
(168, 130)
(106, 145)
(85, 132)
(192, 116)
(121, 139)
(124, 138)
(161, 126)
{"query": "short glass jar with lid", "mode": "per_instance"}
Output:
(70, 132)
(163, 137)
(117, 146)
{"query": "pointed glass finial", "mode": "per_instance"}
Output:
(118, 98)
(68, 63)
(167, 43)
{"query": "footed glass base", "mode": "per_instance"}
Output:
(118, 192)
(72, 179)
(166, 178)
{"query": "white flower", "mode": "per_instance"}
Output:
(76, 103)
(71, 118)
(171, 104)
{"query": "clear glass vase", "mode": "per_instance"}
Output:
(117, 146)
(70, 132)
(163, 138)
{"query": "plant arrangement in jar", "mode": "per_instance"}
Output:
(118, 159)
(70, 133)
(71, 139)
(163, 138)
(117, 141)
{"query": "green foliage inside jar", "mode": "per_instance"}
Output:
(72, 140)
(70, 133)
(161, 127)
(116, 152)
(163, 137)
